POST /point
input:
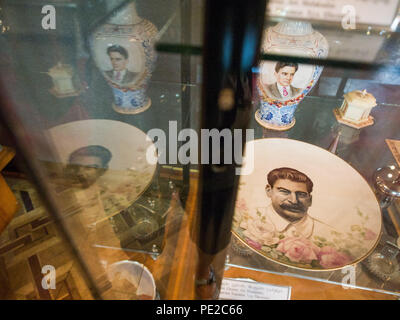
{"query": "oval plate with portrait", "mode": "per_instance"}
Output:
(104, 157)
(304, 207)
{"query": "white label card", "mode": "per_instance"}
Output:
(247, 289)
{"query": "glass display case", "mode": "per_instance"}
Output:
(136, 213)
(105, 103)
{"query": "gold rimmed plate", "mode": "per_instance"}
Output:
(304, 207)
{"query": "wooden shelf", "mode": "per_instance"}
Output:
(8, 202)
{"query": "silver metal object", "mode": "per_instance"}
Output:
(383, 263)
(155, 253)
(387, 185)
(390, 250)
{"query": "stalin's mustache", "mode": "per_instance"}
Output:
(293, 207)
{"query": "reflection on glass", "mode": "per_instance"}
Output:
(87, 164)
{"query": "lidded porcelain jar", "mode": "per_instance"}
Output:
(283, 85)
(123, 49)
(63, 80)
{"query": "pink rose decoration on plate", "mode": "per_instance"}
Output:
(241, 210)
(254, 244)
(329, 257)
(260, 232)
(369, 234)
(298, 249)
(241, 205)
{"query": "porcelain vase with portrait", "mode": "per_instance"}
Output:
(123, 49)
(283, 85)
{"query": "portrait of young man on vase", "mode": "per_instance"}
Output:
(282, 88)
(119, 58)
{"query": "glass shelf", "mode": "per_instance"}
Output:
(364, 279)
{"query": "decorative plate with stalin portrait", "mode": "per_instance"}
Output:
(304, 207)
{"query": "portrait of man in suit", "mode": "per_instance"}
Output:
(282, 88)
(119, 60)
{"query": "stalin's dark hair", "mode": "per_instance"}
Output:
(289, 174)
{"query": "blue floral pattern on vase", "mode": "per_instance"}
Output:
(269, 116)
(277, 116)
(134, 103)
(285, 118)
(118, 101)
(129, 100)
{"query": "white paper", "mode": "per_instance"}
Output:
(246, 289)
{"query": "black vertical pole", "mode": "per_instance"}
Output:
(232, 36)
(185, 79)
